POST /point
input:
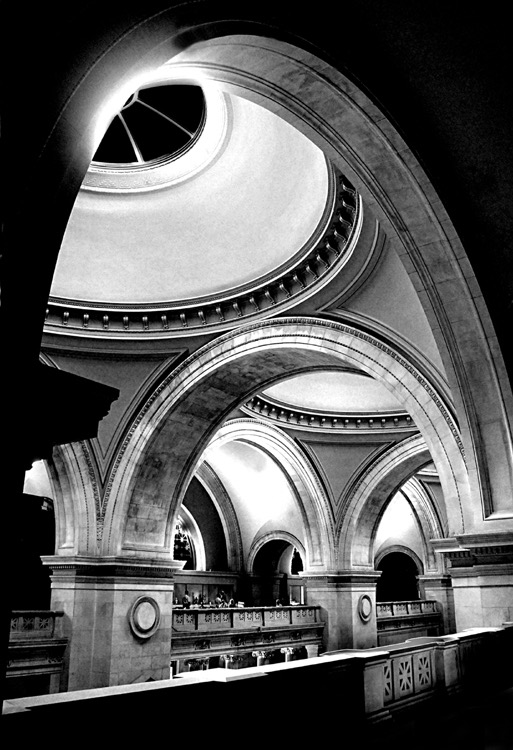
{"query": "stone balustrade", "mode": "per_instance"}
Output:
(364, 689)
(397, 621)
(35, 652)
(236, 618)
(240, 630)
(402, 609)
(33, 623)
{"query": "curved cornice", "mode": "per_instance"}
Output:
(324, 256)
(308, 419)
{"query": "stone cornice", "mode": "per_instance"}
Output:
(307, 419)
(111, 567)
(311, 268)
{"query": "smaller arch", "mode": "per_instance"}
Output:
(400, 568)
(388, 549)
(364, 504)
(303, 479)
(224, 506)
(279, 535)
(192, 530)
(78, 513)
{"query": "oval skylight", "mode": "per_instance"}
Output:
(156, 122)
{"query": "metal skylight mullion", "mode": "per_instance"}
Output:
(169, 119)
(134, 145)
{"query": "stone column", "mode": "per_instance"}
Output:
(348, 601)
(439, 588)
(196, 665)
(261, 657)
(289, 653)
(232, 661)
(117, 617)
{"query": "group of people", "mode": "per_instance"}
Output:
(221, 600)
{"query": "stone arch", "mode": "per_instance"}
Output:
(309, 493)
(164, 445)
(279, 535)
(334, 114)
(223, 504)
(404, 550)
(78, 514)
(429, 519)
(196, 538)
(332, 111)
(365, 501)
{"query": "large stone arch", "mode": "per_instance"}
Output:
(78, 513)
(332, 111)
(313, 503)
(163, 447)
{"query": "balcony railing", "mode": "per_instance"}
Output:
(397, 621)
(238, 618)
(239, 630)
(357, 688)
(33, 623)
(402, 609)
(35, 653)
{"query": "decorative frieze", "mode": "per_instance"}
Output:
(262, 406)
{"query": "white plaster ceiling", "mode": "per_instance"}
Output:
(334, 391)
(255, 205)
(258, 488)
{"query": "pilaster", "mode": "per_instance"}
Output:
(117, 617)
(439, 588)
(481, 570)
(348, 601)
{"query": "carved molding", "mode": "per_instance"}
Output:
(311, 268)
(265, 408)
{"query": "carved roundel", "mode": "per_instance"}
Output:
(144, 617)
(365, 607)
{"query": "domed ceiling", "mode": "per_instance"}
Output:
(337, 392)
(240, 196)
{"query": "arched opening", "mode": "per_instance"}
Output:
(183, 548)
(196, 393)
(398, 580)
(274, 564)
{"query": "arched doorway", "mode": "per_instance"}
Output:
(399, 578)
(277, 565)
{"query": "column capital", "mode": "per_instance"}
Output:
(490, 552)
(84, 567)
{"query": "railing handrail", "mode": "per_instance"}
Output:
(236, 618)
(239, 609)
(406, 608)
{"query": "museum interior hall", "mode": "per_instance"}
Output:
(256, 323)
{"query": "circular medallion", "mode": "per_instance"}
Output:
(365, 607)
(144, 617)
